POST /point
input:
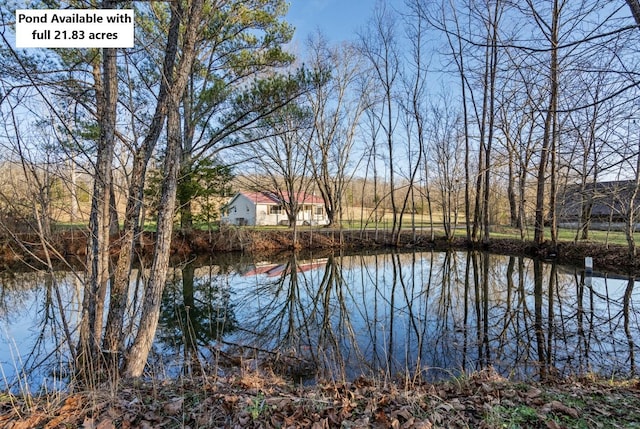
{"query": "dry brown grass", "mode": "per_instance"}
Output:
(257, 399)
(71, 245)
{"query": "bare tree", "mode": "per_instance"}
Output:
(220, 111)
(487, 123)
(457, 48)
(476, 63)
(280, 152)
(337, 107)
(446, 139)
(549, 135)
(137, 355)
(634, 5)
(627, 195)
(560, 25)
(413, 103)
(376, 201)
(518, 128)
(106, 86)
(589, 128)
(380, 47)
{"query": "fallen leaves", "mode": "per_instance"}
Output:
(174, 406)
(559, 407)
(483, 400)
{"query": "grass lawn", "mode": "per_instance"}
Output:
(614, 237)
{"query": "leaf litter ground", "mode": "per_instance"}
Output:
(262, 400)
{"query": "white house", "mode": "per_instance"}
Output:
(265, 208)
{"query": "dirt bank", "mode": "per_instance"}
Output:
(70, 246)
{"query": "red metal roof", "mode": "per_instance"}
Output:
(272, 198)
(260, 198)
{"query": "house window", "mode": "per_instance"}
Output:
(319, 211)
(275, 210)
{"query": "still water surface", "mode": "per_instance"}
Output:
(432, 314)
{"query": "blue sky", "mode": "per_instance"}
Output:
(338, 19)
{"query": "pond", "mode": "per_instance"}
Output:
(428, 314)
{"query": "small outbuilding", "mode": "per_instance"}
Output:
(267, 208)
(603, 201)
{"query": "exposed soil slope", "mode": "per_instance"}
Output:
(70, 246)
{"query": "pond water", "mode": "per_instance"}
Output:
(432, 314)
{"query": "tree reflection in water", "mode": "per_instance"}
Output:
(196, 312)
(38, 313)
(424, 315)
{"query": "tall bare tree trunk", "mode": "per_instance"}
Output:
(492, 71)
(549, 128)
(511, 192)
(95, 290)
(457, 51)
(73, 191)
(634, 5)
(380, 48)
(137, 356)
(389, 106)
(553, 182)
(114, 224)
(414, 108)
(113, 338)
(630, 224)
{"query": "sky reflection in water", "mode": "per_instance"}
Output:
(429, 314)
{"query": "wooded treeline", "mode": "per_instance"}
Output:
(446, 108)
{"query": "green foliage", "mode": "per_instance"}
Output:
(152, 189)
(195, 312)
(200, 182)
(205, 178)
(265, 93)
(241, 43)
(521, 416)
(251, 33)
(257, 406)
